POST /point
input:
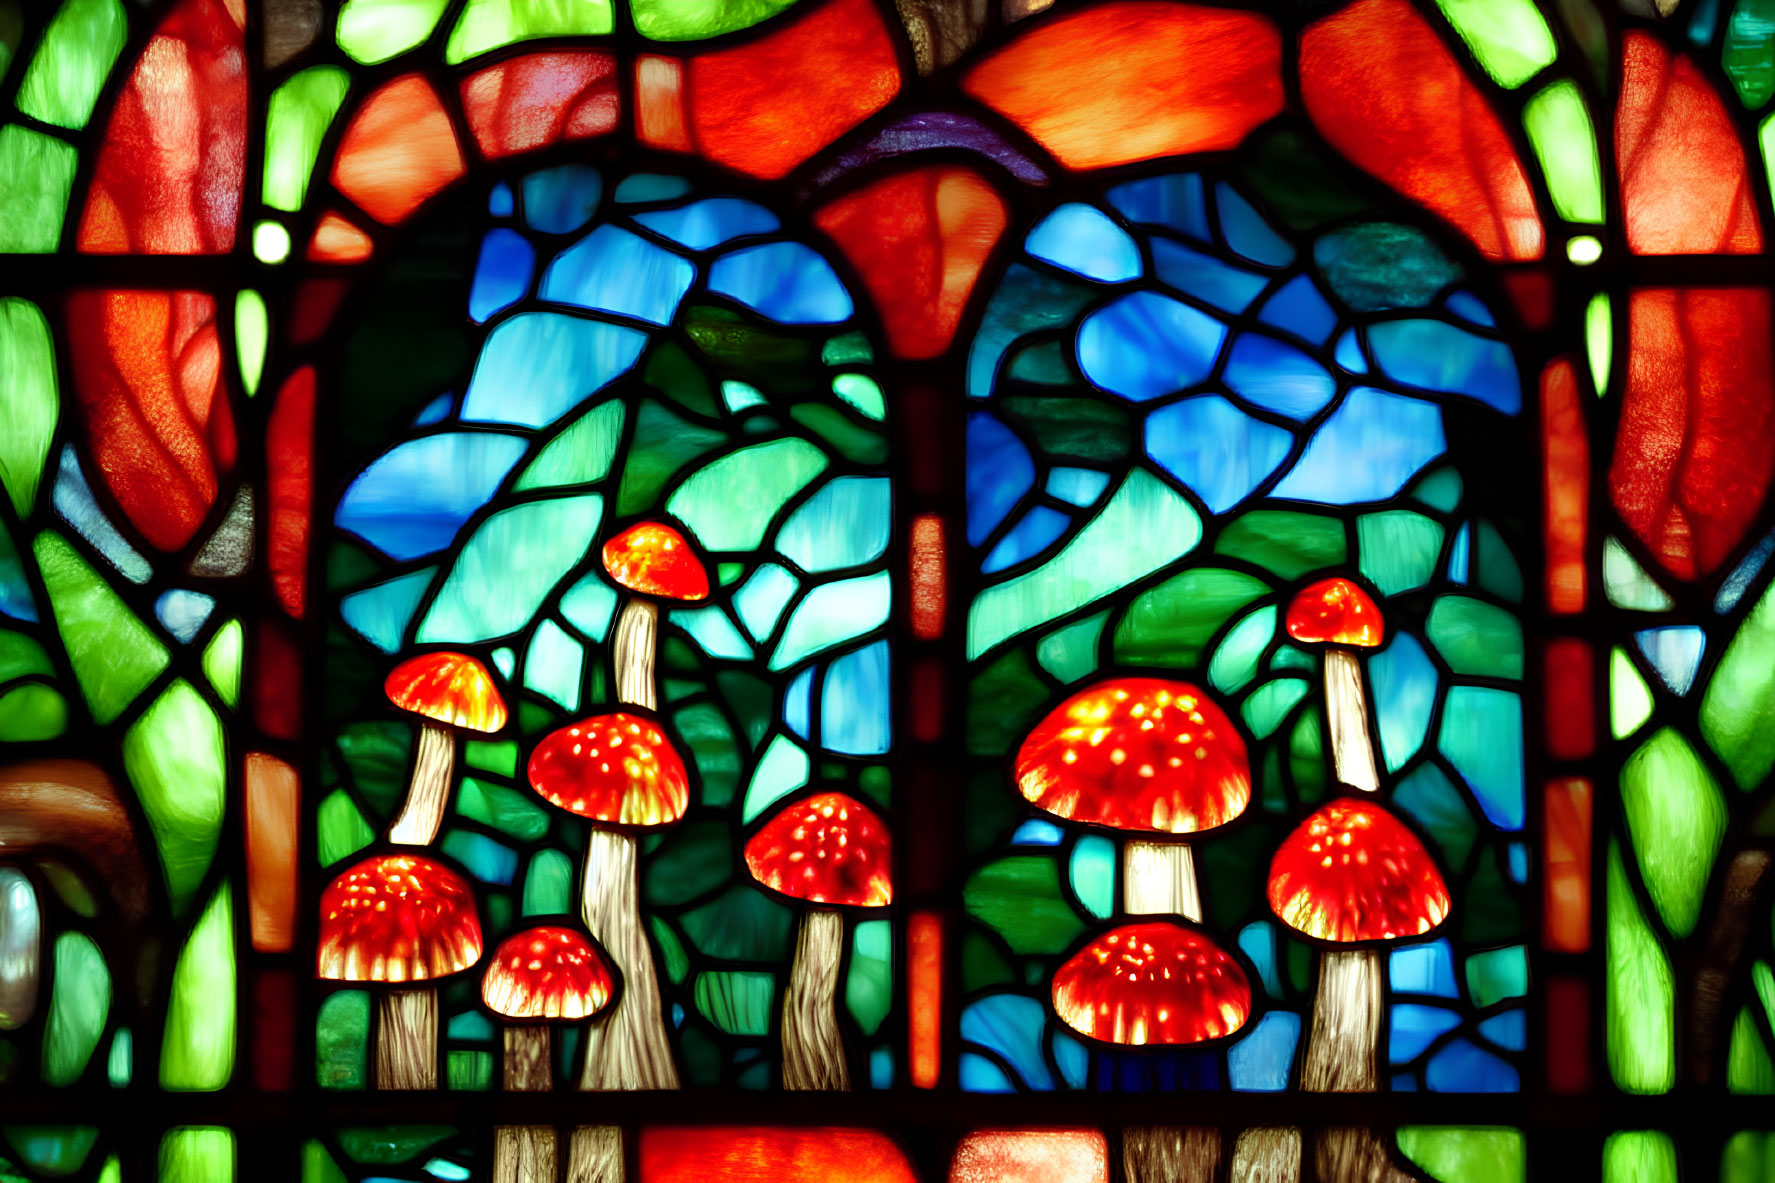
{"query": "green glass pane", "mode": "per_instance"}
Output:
(499, 756)
(1475, 637)
(513, 560)
(1145, 526)
(1630, 698)
(221, 661)
(113, 654)
(1641, 993)
(1070, 653)
(671, 949)
(869, 980)
(120, 1066)
(783, 769)
(174, 756)
(1287, 543)
(298, 117)
(1599, 340)
(831, 614)
(548, 884)
(1237, 656)
(1639, 1156)
(859, 390)
(388, 1145)
(553, 664)
(1748, 1066)
(1270, 703)
(1497, 974)
(1021, 898)
(28, 399)
(318, 1166)
(1428, 796)
(1564, 141)
(32, 712)
(1398, 549)
(706, 733)
(1509, 38)
(66, 74)
(20, 656)
(489, 24)
(340, 828)
(520, 814)
(1004, 702)
(1626, 582)
(691, 861)
(54, 1150)
(12, 32)
(36, 176)
(197, 1154)
(78, 1006)
(1495, 568)
(1748, 52)
(1677, 818)
(198, 1054)
(372, 31)
(342, 1040)
(471, 1070)
(662, 444)
(1736, 709)
(580, 454)
(742, 925)
(1466, 1154)
(729, 503)
(252, 330)
(688, 20)
(737, 1001)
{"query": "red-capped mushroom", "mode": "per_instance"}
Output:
(448, 691)
(832, 851)
(620, 772)
(1340, 616)
(400, 918)
(1152, 756)
(655, 562)
(1155, 982)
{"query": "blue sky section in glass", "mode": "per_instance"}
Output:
(1000, 472)
(1229, 288)
(1145, 345)
(614, 270)
(1177, 202)
(413, 499)
(646, 187)
(1216, 450)
(1675, 652)
(502, 275)
(787, 282)
(73, 499)
(710, 222)
(1300, 308)
(1367, 449)
(1277, 377)
(537, 366)
(1085, 241)
(561, 200)
(1435, 355)
(1034, 532)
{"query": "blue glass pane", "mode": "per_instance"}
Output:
(1299, 308)
(1144, 345)
(1092, 871)
(843, 524)
(1414, 1027)
(1078, 238)
(980, 1075)
(615, 271)
(1036, 832)
(645, 187)
(1206, 278)
(500, 202)
(412, 499)
(1077, 486)
(1260, 1061)
(1743, 575)
(1025, 302)
(73, 499)
(1258, 942)
(1366, 450)
(1482, 737)
(1460, 556)
(1176, 201)
(1675, 652)
(1424, 969)
(1010, 1025)
(561, 200)
(1034, 533)
(182, 612)
(1247, 233)
(485, 859)
(703, 224)
(1277, 377)
(1434, 355)
(999, 473)
(1462, 1067)
(785, 281)
(1349, 353)
(537, 366)
(854, 719)
(1071, 1057)
(435, 411)
(1404, 681)
(1215, 449)
(1469, 307)
(798, 699)
(1508, 1030)
(381, 614)
(15, 590)
(502, 275)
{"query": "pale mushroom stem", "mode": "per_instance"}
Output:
(632, 649)
(1343, 1056)
(1346, 713)
(422, 814)
(1267, 1154)
(813, 1049)
(407, 1040)
(525, 1153)
(628, 1050)
(595, 1155)
(1170, 1154)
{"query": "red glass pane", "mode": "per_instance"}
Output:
(398, 150)
(315, 303)
(1565, 448)
(1353, 872)
(928, 577)
(1153, 982)
(147, 372)
(289, 455)
(1684, 186)
(540, 99)
(277, 681)
(276, 1005)
(755, 1154)
(1571, 723)
(1384, 89)
(1565, 925)
(1568, 1034)
(273, 801)
(1130, 81)
(924, 998)
(168, 179)
(1695, 446)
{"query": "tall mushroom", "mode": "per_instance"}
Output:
(1337, 614)
(1353, 877)
(1148, 755)
(1154, 982)
(400, 918)
(620, 772)
(447, 691)
(652, 560)
(832, 851)
(536, 977)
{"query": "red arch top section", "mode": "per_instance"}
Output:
(1384, 90)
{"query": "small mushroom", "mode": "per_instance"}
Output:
(656, 562)
(620, 772)
(536, 977)
(400, 918)
(1339, 615)
(1152, 756)
(1155, 982)
(832, 851)
(448, 691)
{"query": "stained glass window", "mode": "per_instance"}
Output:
(1058, 591)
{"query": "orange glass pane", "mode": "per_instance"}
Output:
(1031, 1156)
(1565, 923)
(1695, 447)
(540, 99)
(1384, 89)
(273, 801)
(755, 1154)
(924, 998)
(919, 240)
(169, 174)
(1129, 81)
(929, 577)
(1684, 186)
(147, 370)
(659, 103)
(338, 241)
(398, 150)
(1571, 713)
(1565, 449)
(289, 455)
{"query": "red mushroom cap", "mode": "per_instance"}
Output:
(547, 972)
(397, 918)
(617, 768)
(656, 560)
(1353, 872)
(452, 688)
(1336, 612)
(1137, 754)
(1153, 982)
(829, 848)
